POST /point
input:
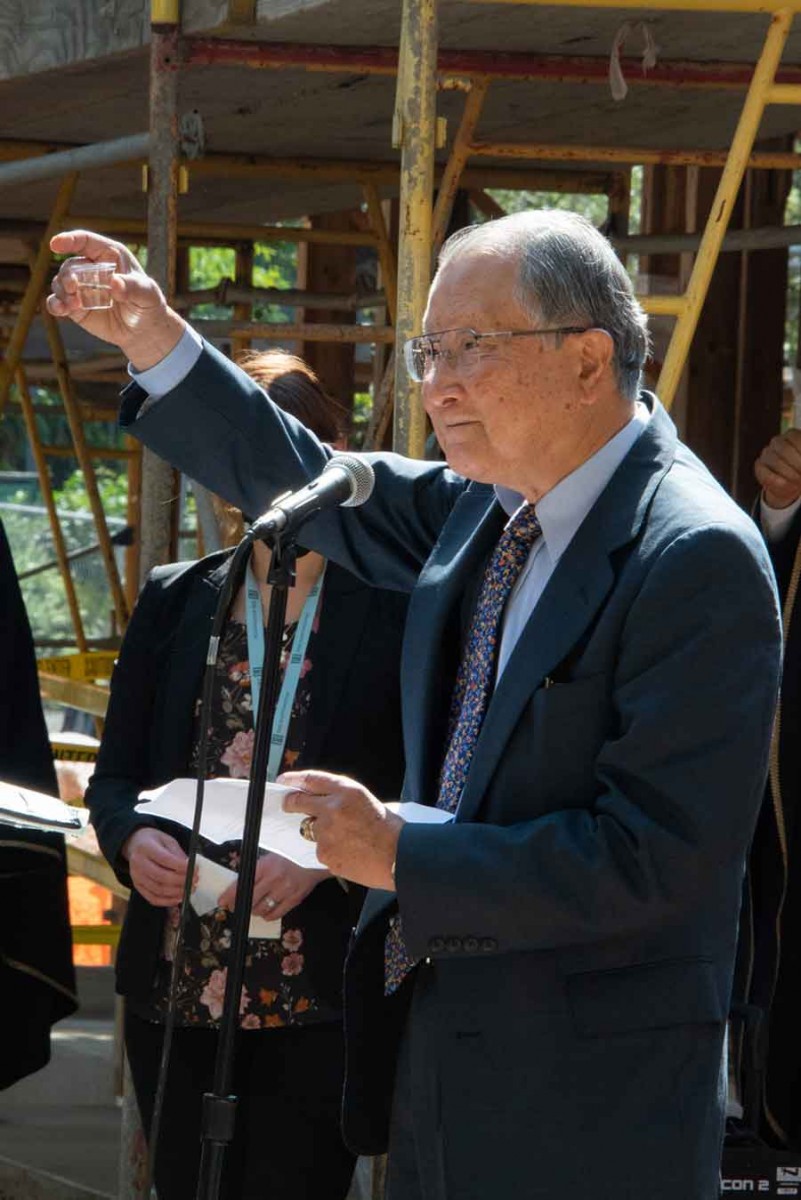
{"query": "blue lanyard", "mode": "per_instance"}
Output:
(289, 687)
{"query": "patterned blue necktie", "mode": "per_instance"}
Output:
(471, 694)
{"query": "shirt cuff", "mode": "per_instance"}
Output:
(775, 522)
(172, 369)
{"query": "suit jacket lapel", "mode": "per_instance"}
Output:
(431, 647)
(575, 592)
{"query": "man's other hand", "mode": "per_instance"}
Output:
(157, 865)
(139, 320)
(356, 835)
(778, 469)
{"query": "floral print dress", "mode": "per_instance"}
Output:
(277, 989)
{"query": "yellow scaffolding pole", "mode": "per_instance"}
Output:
(414, 132)
(56, 532)
(460, 151)
(33, 292)
(720, 213)
(75, 422)
(765, 160)
(722, 6)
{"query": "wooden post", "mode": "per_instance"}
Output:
(332, 269)
(760, 344)
(733, 381)
(711, 371)
(160, 492)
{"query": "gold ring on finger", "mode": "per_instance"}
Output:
(307, 829)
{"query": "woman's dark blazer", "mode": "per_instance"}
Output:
(355, 726)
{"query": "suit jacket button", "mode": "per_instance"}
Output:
(471, 945)
(436, 945)
(488, 944)
(454, 944)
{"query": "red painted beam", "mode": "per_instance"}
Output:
(383, 60)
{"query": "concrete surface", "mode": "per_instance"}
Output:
(59, 1128)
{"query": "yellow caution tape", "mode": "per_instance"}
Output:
(95, 664)
(69, 752)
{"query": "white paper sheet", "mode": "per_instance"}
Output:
(224, 815)
(211, 880)
(27, 809)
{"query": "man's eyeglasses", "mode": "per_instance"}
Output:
(464, 349)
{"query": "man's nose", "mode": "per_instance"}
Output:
(440, 389)
(442, 372)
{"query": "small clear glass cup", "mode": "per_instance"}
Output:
(94, 283)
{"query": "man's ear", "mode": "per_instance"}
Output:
(596, 352)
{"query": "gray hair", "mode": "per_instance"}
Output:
(569, 275)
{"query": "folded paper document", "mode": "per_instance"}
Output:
(26, 809)
(223, 816)
(211, 880)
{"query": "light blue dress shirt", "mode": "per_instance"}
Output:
(561, 511)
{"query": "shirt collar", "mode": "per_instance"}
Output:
(562, 509)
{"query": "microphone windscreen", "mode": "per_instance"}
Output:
(361, 475)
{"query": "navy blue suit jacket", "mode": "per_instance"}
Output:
(579, 917)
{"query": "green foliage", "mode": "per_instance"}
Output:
(594, 208)
(112, 486)
(360, 416)
(274, 266)
(31, 545)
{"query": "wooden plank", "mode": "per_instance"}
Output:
(87, 697)
(94, 867)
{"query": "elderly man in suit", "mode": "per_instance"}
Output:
(538, 989)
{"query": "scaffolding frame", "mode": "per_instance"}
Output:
(419, 25)
(422, 68)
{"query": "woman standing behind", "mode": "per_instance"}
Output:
(345, 717)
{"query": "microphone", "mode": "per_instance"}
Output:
(346, 480)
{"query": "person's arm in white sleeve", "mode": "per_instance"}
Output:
(776, 522)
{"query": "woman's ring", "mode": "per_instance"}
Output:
(307, 829)
(269, 903)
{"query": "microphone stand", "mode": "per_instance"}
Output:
(219, 1105)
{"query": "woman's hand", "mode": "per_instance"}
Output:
(278, 886)
(157, 865)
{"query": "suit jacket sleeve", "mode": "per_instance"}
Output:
(122, 761)
(679, 776)
(221, 429)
